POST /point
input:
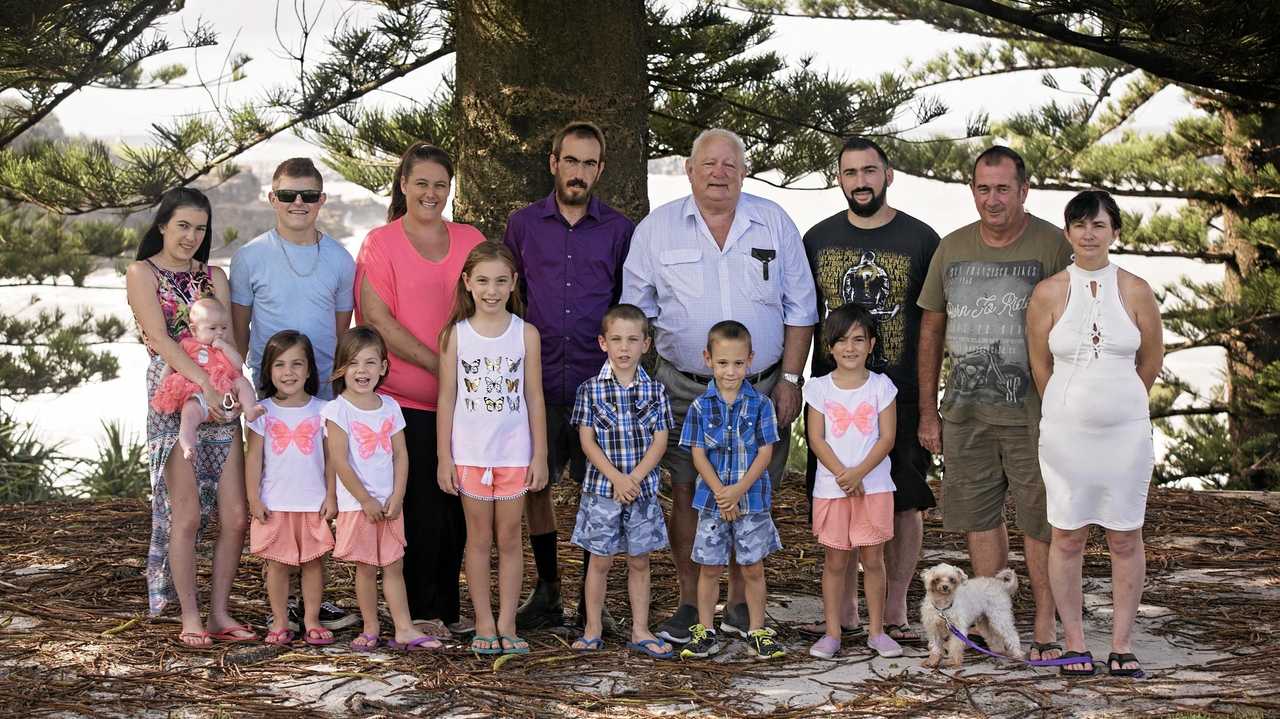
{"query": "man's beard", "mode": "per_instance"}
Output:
(872, 207)
(562, 193)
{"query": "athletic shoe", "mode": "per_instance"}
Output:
(676, 628)
(736, 620)
(702, 643)
(766, 648)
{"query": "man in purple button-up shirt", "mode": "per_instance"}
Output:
(570, 247)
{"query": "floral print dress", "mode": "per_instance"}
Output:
(175, 292)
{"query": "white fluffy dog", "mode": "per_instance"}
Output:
(984, 602)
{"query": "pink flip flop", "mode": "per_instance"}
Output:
(315, 637)
(280, 637)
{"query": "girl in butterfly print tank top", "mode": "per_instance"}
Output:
(290, 500)
(364, 433)
(491, 433)
(851, 422)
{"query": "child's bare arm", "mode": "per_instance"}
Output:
(888, 422)
(446, 403)
(653, 455)
(816, 432)
(227, 349)
(400, 465)
(534, 401)
(705, 470)
(253, 455)
(624, 488)
(336, 438)
(329, 509)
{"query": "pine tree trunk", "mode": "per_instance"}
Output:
(1252, 143)
(524, 69)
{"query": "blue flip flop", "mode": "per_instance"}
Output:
(505, 639)
(495, 646)
(590, 645)
(648, 646)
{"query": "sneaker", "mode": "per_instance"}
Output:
(544, 608)
(885, 646)
(702, 643)
(736, 620)
(676, 628)
(334, 617)
(766, 648)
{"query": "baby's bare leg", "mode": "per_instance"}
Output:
(193, 414)
(248, 400)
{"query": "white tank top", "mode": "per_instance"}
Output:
(490, 417)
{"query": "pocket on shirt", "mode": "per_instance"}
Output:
(606, 417)
(751, 273)
(714, 437)
(648, 414)
(683, 272)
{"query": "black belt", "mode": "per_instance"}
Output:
(705, 378)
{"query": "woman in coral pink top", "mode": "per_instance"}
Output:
(406, 274)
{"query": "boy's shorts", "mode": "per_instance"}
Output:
(502, 482)
(750, 538)
(606, 527)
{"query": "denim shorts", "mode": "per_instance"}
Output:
(750, 538)
(606, 527)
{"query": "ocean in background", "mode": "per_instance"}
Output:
(74, 419)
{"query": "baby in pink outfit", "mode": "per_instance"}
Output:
(208, 348)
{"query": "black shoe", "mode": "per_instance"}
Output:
(702, 644)
(762, 641)
(676, 628)
(544, 608)
(736, 620)
(334, 617)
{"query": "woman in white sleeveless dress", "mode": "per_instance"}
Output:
(1095, 343)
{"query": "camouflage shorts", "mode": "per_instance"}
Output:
(751, 537)
(606, 527)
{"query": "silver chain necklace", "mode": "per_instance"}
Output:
(289, 262)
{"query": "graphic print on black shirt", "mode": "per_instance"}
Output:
(877, 280)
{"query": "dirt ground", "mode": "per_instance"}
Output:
(74, 639)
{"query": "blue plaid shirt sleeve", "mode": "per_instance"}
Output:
(691, 433)
(583, 416)
(766, 423)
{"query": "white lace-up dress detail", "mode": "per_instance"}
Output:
(1096, 451)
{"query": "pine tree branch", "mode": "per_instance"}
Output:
(1214, 257)
(1191, 411)
(1008, 70)
(1219, 337)
(1158, 63)
(129, 28)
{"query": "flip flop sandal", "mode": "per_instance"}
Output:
(1042, 647)
(182, 639)
(650, 647)
(588, 645)
(1088, 659)
(316, 637)
(228, 634)
(819, 629)
(902, 633)
(415, 645)
(369, 643)
(513, 640)
(494, 645)
(280, 638)
(1119, 660)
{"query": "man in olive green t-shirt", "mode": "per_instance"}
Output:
(975, 297)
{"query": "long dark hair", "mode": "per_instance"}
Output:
(280, 343)
(170, 202)
(417, 152)
(464, 305)
(352, 342)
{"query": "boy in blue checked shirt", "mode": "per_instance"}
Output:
(730, 431)
(623, 418)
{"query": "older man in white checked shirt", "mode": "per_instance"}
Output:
(718, 255)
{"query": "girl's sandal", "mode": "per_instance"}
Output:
(492, 645)
(203, 639)
(518, 645)
(279, 637)
(365, 643)
(318, 637)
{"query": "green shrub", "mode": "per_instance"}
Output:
(28, 466)
(120, 469)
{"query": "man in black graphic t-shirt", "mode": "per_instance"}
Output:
(878, 257)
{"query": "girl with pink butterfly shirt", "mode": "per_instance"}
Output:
(291, 498)
(364, 432)
(851, 421)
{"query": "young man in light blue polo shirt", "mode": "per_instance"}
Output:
(292, 277)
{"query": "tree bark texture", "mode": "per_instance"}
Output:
(524, 69)
(1252, 142)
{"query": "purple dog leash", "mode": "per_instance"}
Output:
(1060, 661)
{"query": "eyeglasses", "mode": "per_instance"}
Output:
(288, 196)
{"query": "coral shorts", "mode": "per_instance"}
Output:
(492, 483)
(291, 538)
(376, 543)
(850, 522)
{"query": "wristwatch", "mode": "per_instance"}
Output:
(793, 378)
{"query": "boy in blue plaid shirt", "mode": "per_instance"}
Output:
(730, 431)
(623, 418)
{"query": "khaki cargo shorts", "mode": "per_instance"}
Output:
(983, 463)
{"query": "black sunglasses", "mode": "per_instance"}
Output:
(288, 196)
